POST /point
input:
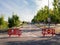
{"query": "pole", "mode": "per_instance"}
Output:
(48, 16)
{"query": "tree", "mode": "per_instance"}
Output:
(41, 15)
(56, 11)
(3, 23)
(1, 20)
(54, 14)
(14, 21)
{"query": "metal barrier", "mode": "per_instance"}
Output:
(46, 31)
(14, 31)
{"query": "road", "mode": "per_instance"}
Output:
(31, 35)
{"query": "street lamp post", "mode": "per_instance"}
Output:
(49, 20)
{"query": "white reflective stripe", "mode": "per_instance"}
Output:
(12, 30)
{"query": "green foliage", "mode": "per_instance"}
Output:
(1, 20)
(3, 24)
(14, 21)
(43, 14)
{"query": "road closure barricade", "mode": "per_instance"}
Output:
(46, 31)
(14, 31)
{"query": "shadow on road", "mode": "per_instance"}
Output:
(51, 41)
(8, 37)
(30, 30)
(40, 42)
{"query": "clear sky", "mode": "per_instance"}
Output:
(25, 9)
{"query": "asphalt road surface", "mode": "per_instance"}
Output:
(31, 35)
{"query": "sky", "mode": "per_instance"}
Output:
(25, 9)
